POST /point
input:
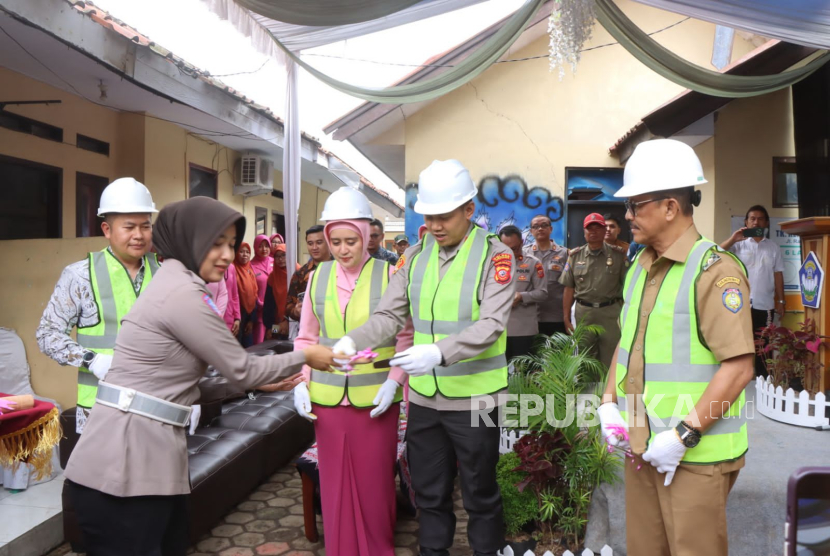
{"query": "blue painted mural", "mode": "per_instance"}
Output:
(500, 202)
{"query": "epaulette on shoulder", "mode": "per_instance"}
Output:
(572, 251)
(618, 249)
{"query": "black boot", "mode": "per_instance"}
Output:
(432, 552)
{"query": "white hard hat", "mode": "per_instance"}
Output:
(126, 196)
(346, 204)
(444, 186)
(660, 165)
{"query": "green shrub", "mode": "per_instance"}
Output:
(520, 508)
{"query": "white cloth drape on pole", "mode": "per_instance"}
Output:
(291, 168)
(804, 22)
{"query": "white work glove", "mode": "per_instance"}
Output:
(665, 453)
(385, 397)
(302, 402)
(418, 360)
(195, 415)
(609, 415)
(344, 346)
(100, 365)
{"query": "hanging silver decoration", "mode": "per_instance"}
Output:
(570, 25)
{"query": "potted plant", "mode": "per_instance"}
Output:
(561, 461)
(521, 509)
(790, 356)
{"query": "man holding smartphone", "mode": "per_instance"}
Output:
(765, 269)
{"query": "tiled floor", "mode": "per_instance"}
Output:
(28, 522)
(270, 521)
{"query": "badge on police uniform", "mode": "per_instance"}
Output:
(540, 272)
(733, 299)
(401, 262)
(502, 262)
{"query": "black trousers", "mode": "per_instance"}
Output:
(132, 525)
(519, 345)
(551, 328)
(246, 340)
(760, 319)
(439, 444)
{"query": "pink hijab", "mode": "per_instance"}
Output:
(262, 266)
(271, 239)
(359, 226)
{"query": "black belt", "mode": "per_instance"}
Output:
(596, 305)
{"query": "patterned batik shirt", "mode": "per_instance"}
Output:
(72, 304)
(385, 255)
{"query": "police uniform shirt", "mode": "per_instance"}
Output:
(722, 300)
(596, 277)
(162, 350)
(532, 284)
(553, 261)
(495, 294)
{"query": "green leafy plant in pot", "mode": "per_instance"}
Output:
(562, 457)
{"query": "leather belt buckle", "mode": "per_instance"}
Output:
(125, 399)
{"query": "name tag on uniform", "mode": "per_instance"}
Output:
(521, 277)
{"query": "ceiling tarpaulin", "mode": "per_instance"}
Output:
(680, 71)
(805, 22)
(325, 12)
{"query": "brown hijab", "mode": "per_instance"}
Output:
(186, 230)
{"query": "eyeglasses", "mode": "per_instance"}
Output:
(632, 207)
(539, 226)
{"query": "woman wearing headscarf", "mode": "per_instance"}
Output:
(127, 478)
(276, 239)
(276, 293)
(247, 289)
(263, 264)
(356, 411)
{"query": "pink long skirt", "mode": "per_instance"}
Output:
(357, 479)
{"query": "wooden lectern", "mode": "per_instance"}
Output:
(815, 237)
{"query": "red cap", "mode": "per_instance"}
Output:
(593, 218)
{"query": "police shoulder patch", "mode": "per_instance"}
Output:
(401, 262)
(728, 280)
(209, 302)
(502, 263)
(733, 299)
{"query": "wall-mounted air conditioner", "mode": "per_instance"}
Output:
(254, 176)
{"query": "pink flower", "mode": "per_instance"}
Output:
(7, 405)
(619, 431)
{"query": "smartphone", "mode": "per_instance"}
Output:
(807, 530)
(755, 232)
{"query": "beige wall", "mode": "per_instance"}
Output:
(156, 152)
(519, 118)
(705, 213)
(748, 134)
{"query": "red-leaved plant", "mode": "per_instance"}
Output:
(540, 455)
(791, 356)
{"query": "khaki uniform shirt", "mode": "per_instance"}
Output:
(166, 342)
(728, 334)
(553, 260)
(533, 286)
(596, 276)
(392, 312)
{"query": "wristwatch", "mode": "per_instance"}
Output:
(689, 436)
(89, 356)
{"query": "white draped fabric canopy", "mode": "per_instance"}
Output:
(804, 22)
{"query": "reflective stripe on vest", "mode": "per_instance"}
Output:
(114, 296)
(361, 385)
(448, 305)
(676, 372)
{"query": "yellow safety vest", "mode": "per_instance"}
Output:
(114, 297)
(678, 365)
(361, 385)
(441, 307)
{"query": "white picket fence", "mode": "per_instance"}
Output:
(787, 407)
(508, 438)
(606, 551)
